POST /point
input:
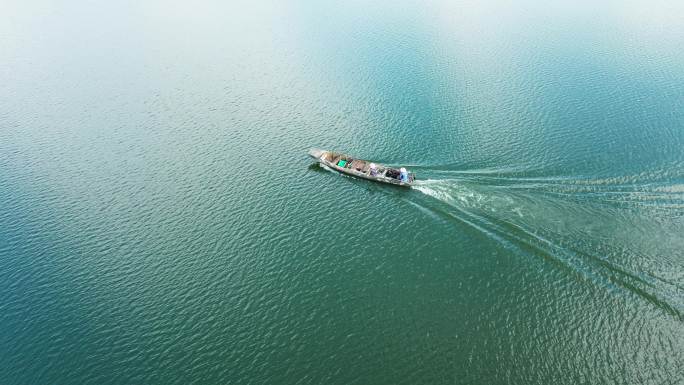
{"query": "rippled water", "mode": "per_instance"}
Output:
(161, 222)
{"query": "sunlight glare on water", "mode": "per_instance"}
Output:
(161, 222)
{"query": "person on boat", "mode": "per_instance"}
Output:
(403, 175)
(373, 169)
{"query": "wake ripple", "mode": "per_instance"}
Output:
(609, 232)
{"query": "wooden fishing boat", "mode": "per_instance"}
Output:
(361, 168)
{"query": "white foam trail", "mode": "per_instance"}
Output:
(456, 194)
(547, 215)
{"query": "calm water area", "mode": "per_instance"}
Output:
(161, 222)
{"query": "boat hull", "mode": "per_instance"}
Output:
(320, 156)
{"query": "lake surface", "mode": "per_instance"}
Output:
(161, 223)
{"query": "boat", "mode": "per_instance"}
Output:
(360, 168)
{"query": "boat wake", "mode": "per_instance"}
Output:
(623, 233)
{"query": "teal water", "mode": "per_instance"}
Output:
(160, 222)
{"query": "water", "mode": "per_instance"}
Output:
(161, 222)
